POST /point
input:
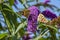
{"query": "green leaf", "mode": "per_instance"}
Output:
(11, 2)
(40, 36)
(42, 25)
(0, 6)
(23, 1)
(6, 6)
(7, 12)
(22, 25)
(22, 32)
(52, 27)
(28, 1)
(45, 38)
(1, 27)
(3, 35)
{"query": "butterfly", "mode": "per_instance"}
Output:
(26, 12)
(42, 19)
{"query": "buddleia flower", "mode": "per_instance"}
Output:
(27, 37)
(15, 1)
(32, 19)
(41, 18)
(46, 1)
(55, 21)
(49, 14)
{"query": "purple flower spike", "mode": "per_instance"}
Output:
(16, 2)
(46, 1)
(49, 14)
(32, 19)
(34, 10)
(27, 37)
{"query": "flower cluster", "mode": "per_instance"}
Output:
(34, 16)
(46, 1)
(26, 37)
(55, 21)
(15, 2)
(32, 19)
(49, 14)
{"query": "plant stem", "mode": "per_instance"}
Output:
(40, 36)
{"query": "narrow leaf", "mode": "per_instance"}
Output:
(22, 25)
(3, 35)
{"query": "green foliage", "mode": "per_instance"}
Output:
(20, 26)
(11, 2)
(3, 35)
(1, 27)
